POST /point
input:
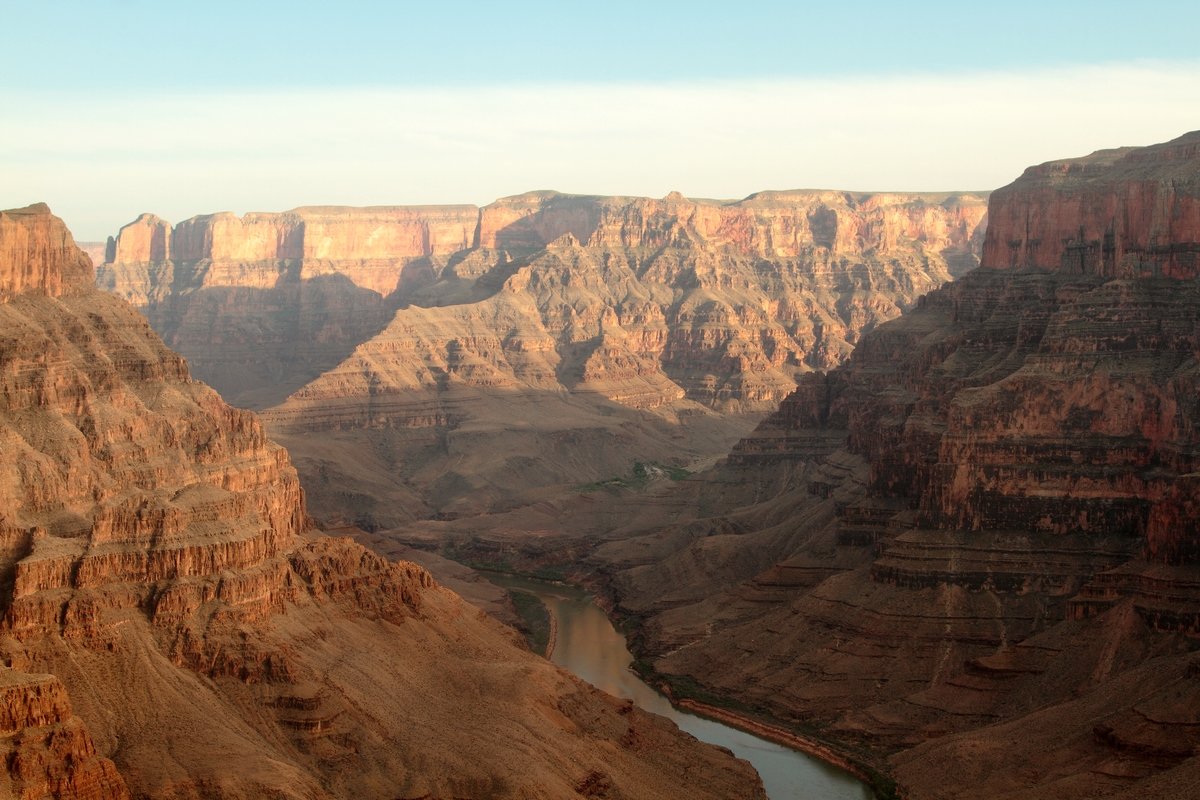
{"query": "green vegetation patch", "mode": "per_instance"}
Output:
(535, 619)
(638, 478)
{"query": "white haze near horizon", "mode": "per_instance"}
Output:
(99, 160)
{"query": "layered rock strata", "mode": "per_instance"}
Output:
(722, 302)
(48, 750)
(985, 551)
(170, 626)
(635, 328)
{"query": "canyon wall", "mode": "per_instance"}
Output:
(778, 283)
(39, 254)
(1127, 212)
(414, 337)
(974, 544)
(171, 626)
(263, 303)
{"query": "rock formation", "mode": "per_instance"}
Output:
(602, 323)
(171, 627)
(713, 294)
(975, 543)
(39, 255)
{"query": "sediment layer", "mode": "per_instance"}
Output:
(984, 546)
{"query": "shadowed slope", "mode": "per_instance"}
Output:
(980, 532)
(155, 564)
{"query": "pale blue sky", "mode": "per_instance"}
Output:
(110, 109)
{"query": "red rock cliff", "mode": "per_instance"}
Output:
(988, 555)
(349, 241)
(37, 253)
(414, 319)
(156, 564)
(766, 224)
(261, 304)
(1115, 213)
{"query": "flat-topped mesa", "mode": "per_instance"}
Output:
(37, 253)
(1116, 213)
(318, 233)
(146, 239)
(766, 224)
(797, 274)
(774, 224)
(289, 293)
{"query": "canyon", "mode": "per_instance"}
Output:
(172, 624)
(971, 549)
(446, 362)
(956, 545)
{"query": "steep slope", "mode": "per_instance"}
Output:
(261, 304)
(713, 293)
(171, 628)
(418, 335)
(975, 544)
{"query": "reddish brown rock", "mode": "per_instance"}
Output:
(416, 327)
(156, 562)
(1116, 213)
(983, 547)
(730, 301)
(146, 239)
(39, 254)
(48, 750)
(265, 302)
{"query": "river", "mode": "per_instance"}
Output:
(588, 645)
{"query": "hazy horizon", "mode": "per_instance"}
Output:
(117, 111)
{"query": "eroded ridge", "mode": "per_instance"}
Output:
(983, 525)
(171, 626)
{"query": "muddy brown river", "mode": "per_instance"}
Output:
(589, 646)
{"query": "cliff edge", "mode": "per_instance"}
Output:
(975, 542)
(172, 627)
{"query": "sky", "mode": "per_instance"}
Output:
(111, 109)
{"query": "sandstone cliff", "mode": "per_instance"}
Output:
(263, 303)
(171, 628)
(630, 327)
(776, 284)
(39, 254)
(975, 542)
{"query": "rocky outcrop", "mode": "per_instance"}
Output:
(986, 539)
(263, 303)
(620, 323)
(1128, 212)
(723, 302)
(157, 564)
(48, 750)
(39, 254)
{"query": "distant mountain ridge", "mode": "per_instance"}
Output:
(616, 318)
(333, 274)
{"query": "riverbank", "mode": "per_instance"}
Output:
(552, 637)
(805, 744)
(585, 640)
(870, 775)
(860, 765)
